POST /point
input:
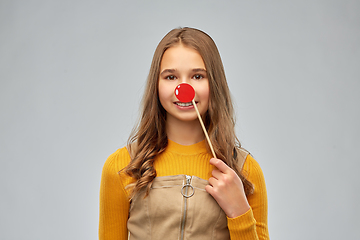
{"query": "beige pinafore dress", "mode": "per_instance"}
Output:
(178, 208)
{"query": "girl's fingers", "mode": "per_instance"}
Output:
(216, 174)
(212, 181)
(219, 165)
(209, 189)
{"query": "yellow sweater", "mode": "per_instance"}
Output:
(175, 160)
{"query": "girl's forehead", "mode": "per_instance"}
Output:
(181, 56)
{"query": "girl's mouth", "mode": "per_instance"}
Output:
(182, 104)
(185, 105)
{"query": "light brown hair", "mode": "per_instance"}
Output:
(149, 138)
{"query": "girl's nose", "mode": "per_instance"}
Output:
(185, 80)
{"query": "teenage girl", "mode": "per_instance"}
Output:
(165, 184)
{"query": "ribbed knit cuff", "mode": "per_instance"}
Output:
(243, 226)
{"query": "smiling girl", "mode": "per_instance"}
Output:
(165, 184)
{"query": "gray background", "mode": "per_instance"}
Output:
(73, 72)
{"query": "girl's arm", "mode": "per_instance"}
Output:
(114, 204)
(247, 216)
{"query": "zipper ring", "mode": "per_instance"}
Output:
(185, 194)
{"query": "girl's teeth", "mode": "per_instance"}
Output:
(181, 104)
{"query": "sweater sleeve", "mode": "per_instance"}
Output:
(252, 224)
(114, 203)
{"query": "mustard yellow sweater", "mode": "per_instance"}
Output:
(175, 160)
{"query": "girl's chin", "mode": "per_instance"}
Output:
(182, 118)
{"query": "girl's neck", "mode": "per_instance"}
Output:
(184, 132)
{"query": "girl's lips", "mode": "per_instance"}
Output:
(182, 105)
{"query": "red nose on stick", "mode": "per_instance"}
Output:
(184, 92)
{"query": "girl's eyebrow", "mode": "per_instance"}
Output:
(195, 70)
(166, 71)
(199, 70)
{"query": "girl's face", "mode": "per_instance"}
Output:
(181, 64)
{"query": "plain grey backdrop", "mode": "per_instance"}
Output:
(72, 75)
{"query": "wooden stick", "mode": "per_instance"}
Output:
(204, 129)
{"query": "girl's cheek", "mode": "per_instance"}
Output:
(203, 91)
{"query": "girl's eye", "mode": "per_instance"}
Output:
(171, 77)
(198, 76)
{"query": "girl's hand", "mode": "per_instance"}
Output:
(227, 189)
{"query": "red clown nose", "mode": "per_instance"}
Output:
(184, 92)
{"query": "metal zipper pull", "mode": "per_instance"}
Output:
(188, 179)
(186, 188)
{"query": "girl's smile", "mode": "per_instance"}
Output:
(184, 105)
(181, 64)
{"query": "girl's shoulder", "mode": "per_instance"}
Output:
(118, 160)
(246, 161)
(252, 170)
(251, 163)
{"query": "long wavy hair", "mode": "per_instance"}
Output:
(149, 138)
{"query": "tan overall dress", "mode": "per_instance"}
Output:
(177, 207)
